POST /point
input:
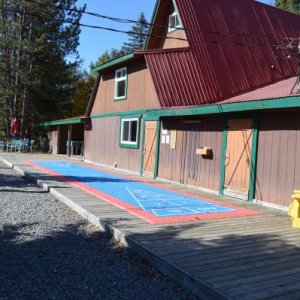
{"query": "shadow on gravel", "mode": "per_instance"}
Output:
(18, 191)
(73, 263)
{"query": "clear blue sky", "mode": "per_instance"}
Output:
(94, 42)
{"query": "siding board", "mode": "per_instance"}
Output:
(183, 164)
(278, 159)
(102, 145)
(141, 91)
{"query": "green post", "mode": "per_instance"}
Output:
(157, 149)
(142, 147)
(251, 195)
(223, 156)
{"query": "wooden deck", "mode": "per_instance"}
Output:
(253, 257)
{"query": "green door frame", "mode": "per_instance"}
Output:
(251, 193)
(158, 128)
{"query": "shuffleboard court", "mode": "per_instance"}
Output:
(145, 200)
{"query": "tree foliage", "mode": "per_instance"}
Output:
(36, 74)
(137, 37)
(107, 56)
(290, 5)
(82, 90)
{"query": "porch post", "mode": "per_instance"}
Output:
(69, 140)
(157, 148)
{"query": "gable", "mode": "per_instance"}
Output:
(140, 90)
(233, 49)
(162, 36)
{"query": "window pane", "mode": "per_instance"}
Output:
(171, 22)
(121, 87)
(125, 133)
(177, 23)
(133, 131)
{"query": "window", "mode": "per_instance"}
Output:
(121, 84)
(174, 22)
(129, 133)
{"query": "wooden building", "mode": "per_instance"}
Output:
(211, 101)
(66, 136)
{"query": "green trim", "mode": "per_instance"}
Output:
(126, 86)
(275, 103)
(61, 122)
(143, 147)
(158, 127)
(223, 154)
(119, 114)
(253, 158)
(125, 145)
(112, 63)
(156, 114)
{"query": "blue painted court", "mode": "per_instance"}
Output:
(151, 201)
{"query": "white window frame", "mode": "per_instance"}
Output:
(129, 143)
(176, 16)
(117, 80)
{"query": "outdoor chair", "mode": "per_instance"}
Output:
(15, 143)
(3, 145)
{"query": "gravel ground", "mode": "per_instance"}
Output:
(49, 252)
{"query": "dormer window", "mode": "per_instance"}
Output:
(174, 22)
(121, 84)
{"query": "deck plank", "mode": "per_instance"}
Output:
(252, 257)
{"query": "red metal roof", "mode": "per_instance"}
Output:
(281, 89)
(219, 66)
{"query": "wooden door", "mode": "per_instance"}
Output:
(149, 148)
(238, 157)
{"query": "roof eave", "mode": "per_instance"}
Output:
(113, 62)
(154, 14)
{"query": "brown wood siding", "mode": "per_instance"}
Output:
(141, 93)
(172, 42)
(102, 145)
(156, 42)
(183, 164)
(278, 157)
(53, 141)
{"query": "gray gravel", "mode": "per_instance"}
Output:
(49, 252)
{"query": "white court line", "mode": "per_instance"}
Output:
(158, 198)
(132, 195)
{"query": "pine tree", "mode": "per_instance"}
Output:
(137, 35)
(290, 5)
(107, 56)
(36, 79)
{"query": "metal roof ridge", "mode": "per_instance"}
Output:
(142, 52)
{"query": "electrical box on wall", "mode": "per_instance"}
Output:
(204, 151)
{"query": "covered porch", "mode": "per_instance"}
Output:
(66, 137)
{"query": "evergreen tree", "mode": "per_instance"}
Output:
(36, 79)
(290, 5)
(137, 35)
(107, 56)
